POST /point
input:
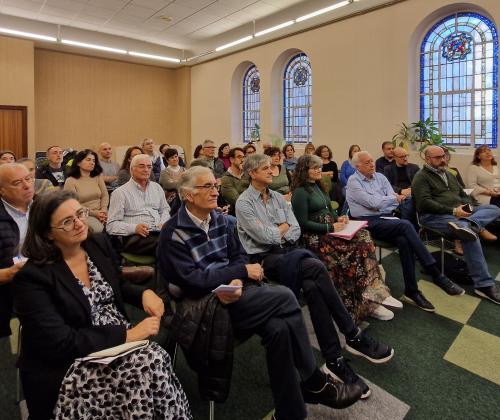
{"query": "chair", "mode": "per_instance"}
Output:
(383, 245)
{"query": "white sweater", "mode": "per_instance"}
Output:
(480, 179)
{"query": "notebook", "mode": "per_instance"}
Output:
(350, 229)
(106, 356)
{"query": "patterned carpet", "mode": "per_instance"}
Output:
(446, 366)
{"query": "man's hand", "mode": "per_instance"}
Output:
(283, 227)
(234, 296)
(400, 197)
(406, 192)
(255, 272)
(460, 212)
(142, 230)
(7, 274)
(102, 216)
(152, 303)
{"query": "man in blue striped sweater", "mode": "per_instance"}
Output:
(199, 250)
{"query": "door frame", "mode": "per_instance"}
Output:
(24, 113)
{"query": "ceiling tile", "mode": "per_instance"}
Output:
(115, 5)
(127, 19)
(57, 11)
(152, 4)
(141, 12)
(195, 4)
(106, 13)
(70, 5)
(96, 20)
(23, 4)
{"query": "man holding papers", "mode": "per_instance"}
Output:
(346, 250)
(370, 197)
(269, 231)
(198, 251)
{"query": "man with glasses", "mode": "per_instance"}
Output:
(138, 209)
(400, 174)
(16, 191)
(370, 197)
(233, 183)
(443, 205)
(199, 251)
(53, 170)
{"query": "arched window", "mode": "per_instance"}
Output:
(297, 100)
(459, 79)
(251, 104)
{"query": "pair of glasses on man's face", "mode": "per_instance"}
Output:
(207, 187)
(68, 224)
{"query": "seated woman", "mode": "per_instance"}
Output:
(249, 149)
(224, 155)
(310, 149)
(281, 176)
(124, 172)
(70, 298)
(85, 180)
(169, 178)
(290, 160)
(346, 170)
(352, 264)
(483, 176)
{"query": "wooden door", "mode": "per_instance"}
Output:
(14, 129)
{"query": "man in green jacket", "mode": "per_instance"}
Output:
(442, 204)
(234, 182)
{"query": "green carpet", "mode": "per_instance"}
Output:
(418, 376)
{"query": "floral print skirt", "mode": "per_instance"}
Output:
(353, 267)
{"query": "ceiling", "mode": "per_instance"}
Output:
(175, 28)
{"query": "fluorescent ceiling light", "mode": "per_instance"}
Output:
(238, 41)
(27, 35)
(93, 46)
(325, 10)
(154, 57)
(275, 28)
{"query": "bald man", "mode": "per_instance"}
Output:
(16, 191)
(371, 197)
(109, 167)
(443, 205)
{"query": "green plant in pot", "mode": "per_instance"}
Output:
(405, 136)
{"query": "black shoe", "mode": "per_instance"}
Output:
(490, 292)
(341, 370)
(448, 286)
(462, 233)
(419, 300)
(374, 351)
(333, 394)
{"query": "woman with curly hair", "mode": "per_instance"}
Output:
(352, 264)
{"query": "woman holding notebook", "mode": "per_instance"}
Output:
(70, 298)
(352, 263)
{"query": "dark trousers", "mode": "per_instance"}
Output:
(136, 244)
(323, 302)
(275, 315)
(5, 309)
(401, 233)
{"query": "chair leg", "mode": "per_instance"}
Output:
(380, 255)
(211, 409)
(442, 256)
(18, 373)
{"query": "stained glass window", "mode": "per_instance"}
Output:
(251, 104)
(297, 100)
(459, 79)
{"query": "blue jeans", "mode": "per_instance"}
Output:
(473, 252)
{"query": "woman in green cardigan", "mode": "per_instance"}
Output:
(352, 264)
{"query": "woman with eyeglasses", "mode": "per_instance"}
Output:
(70, 299)
(85, 179)
(352, 264)
(6, 156)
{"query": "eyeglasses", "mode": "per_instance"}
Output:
(440, 157)
(315, 168)
(207, 187)
(142, 166)
(402, 157)
(69, 224)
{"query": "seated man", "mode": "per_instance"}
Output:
(400, 174)
(441, 201)
(16, 191)
(269, 231)
(199, 251)
(138, 209)
(53, 170)
(371, 197)
(387, 158)
(233, 182)
(109, 167)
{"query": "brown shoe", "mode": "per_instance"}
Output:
(487, 235)
(138, 274)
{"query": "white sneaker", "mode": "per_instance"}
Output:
(382, 313)
(392, 302)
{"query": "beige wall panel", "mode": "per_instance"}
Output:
(17, 79)
(362, 88)
(82, 101)
(181, 118)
